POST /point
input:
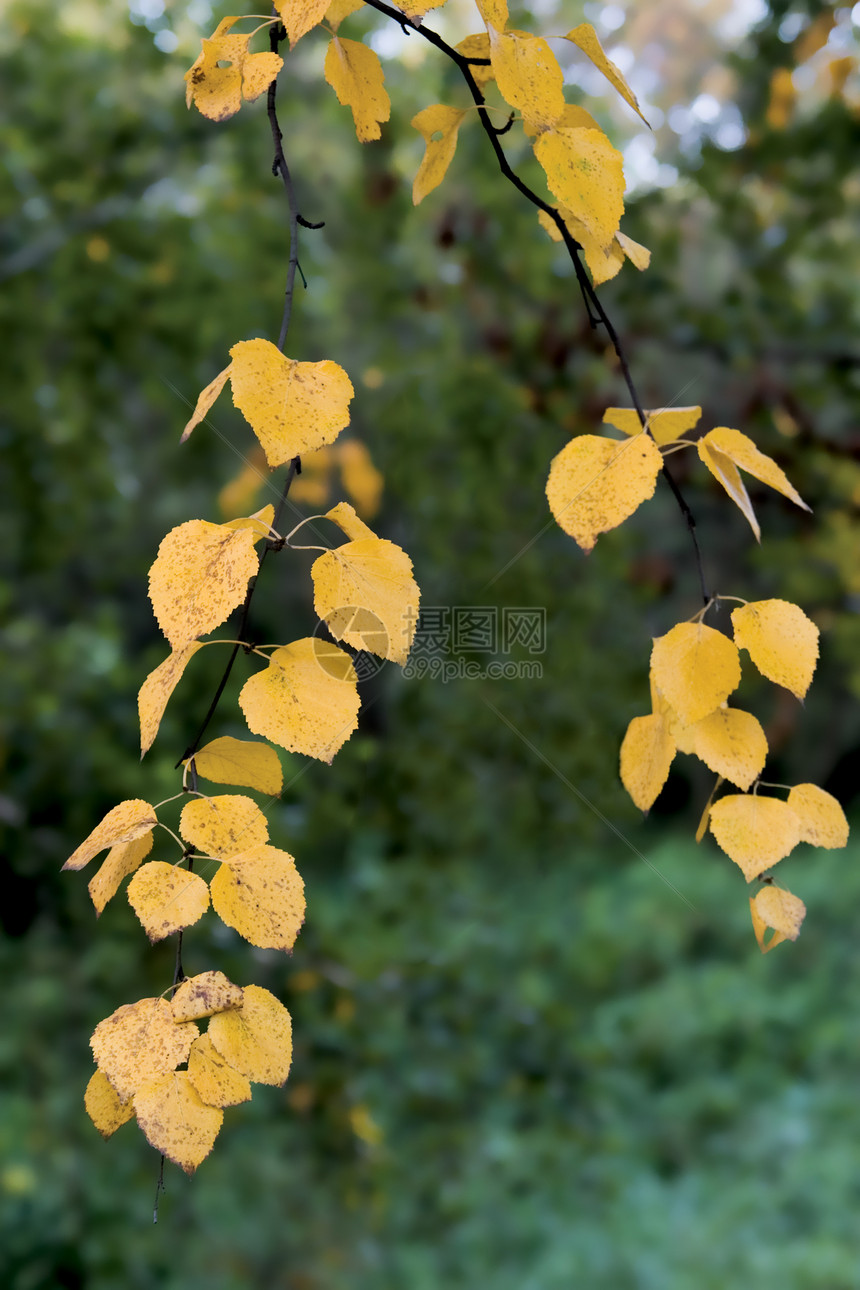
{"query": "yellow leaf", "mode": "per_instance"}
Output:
(781, 641)
(226, 826)
(139, 1042)
(638, 255)
(258, 72)
(647, 753)
(260, 523)
(822, 820)
(494, 13)
(204, 402)
(257, 1038)
(355, 74)
(204, 995)
(360, 478)
(166, 898)
(175, 1121)
(301, 16)
(478, 46)
(732, 744)
(120, 861)
(437, 119)
(740, 450)
(340, 9)
(585, 38)
(104, 1107)
(774, 907)
(156, 691)
(603, 262)
(241, 761)
(596, 483)
(417, 8)
(345, 518)
(528, 76)
(573, 117)
(306, 700)
(665, 424)
(586, 174)
(756, 832)
(199, 577)
(292, 407)
(365, 594)
(262, 897)
(696, 669)
(214, 1081)
(217, 91)
(129, 820)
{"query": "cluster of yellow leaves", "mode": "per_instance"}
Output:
(141, 1047)
(595, 483)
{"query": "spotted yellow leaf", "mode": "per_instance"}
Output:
(647, 753)
(204, 995)
(104, 1106)
(494, 13)
(243, 762)
(226, 72)
(822, 820)
(120, 861)
(262, 897)
(665, 424)
(156, 691)
(725, 451)
(214, 1080)
(756, 832)
(731, 743)
(306, 700)
(175, 1121)
(129, 820)
(696, 668)
(167, 898)
(781, 641)
(585, 38)
(292, 407)
(300, 16)
(199, 577)
(340, 9)
(595, 483)
(586, 174)
(784, 912)
(444, 121)
(225, 826)
(354, 72)
(528, 75)
(257, 1038)
(139, 1042)
(477, 46)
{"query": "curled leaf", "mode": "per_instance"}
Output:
(130, 820)
(784, 912)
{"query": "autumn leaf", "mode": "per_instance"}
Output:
(723, 445)
(244, 762)
(204, 995)
(156, 691)
(603, 262)
(585, 38)
(226, 72)
(586, 174)
(261, 896)
(129, 820)
(167, 898)
(478, 46)
(731, 743)
(306, 700)
(292, 407)
(175, 1121)
(528, 75)
(344, 516)
(756, 832)
(822, 820)
(355, 74)
(417, 8)
(438, 154)
(340, 9)
(726, 472)
(120, 861)
(260, 523)
(215, 1081)
(781, 641)
(139, 1042)
(256, 1039)
(104, 1106)
(225, 826)
(494, 13)
(300, 16)
(774, 907)
(595, 483)
(199, 577)
(696, 668)
(664, 424)
(205, 399)
(647, 753)
(638, 255)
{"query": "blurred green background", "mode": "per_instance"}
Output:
(522, 1061)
